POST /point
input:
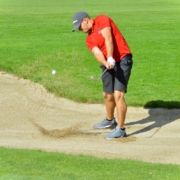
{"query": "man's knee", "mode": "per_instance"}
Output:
(108, 96)
(119, 95)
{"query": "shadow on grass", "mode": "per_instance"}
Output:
(162, 113)
(162, 104)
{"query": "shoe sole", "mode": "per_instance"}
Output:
(106, 127)
(124, 136)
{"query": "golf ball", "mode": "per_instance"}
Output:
(53, 72)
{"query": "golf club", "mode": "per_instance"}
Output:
(92, 78)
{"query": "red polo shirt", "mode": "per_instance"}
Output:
(95, 38)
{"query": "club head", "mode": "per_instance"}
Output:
(92, 78)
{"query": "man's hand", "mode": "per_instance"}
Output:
(110, 63)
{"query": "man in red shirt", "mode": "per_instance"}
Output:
(110, 48)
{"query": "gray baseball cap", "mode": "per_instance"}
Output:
(77, 19)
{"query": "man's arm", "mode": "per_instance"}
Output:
(100, 58)
(107, 34)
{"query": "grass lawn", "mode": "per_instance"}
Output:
(38, 165)
(36, 38)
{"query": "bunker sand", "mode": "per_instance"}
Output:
(32, 118)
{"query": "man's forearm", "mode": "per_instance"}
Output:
(101, 59)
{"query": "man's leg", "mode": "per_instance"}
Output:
(121, 107)
(122, 74)
(110, 105)
(109, 121)
(108, 90)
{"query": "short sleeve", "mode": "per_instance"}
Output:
(103, 21)
(90, 44)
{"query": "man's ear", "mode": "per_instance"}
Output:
(85, 19)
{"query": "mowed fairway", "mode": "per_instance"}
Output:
(36, 38)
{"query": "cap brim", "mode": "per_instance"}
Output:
(76, 26)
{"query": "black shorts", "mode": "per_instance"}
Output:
(118, 77)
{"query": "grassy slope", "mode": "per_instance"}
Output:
(36, 38)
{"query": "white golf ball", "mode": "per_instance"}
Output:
(53, 72)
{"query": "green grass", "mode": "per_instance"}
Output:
(36, 38)
(38, 165)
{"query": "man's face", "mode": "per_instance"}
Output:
(85, 26)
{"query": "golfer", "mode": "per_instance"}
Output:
(111, 50)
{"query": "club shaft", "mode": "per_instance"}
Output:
(97, 79)
(103, 72)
